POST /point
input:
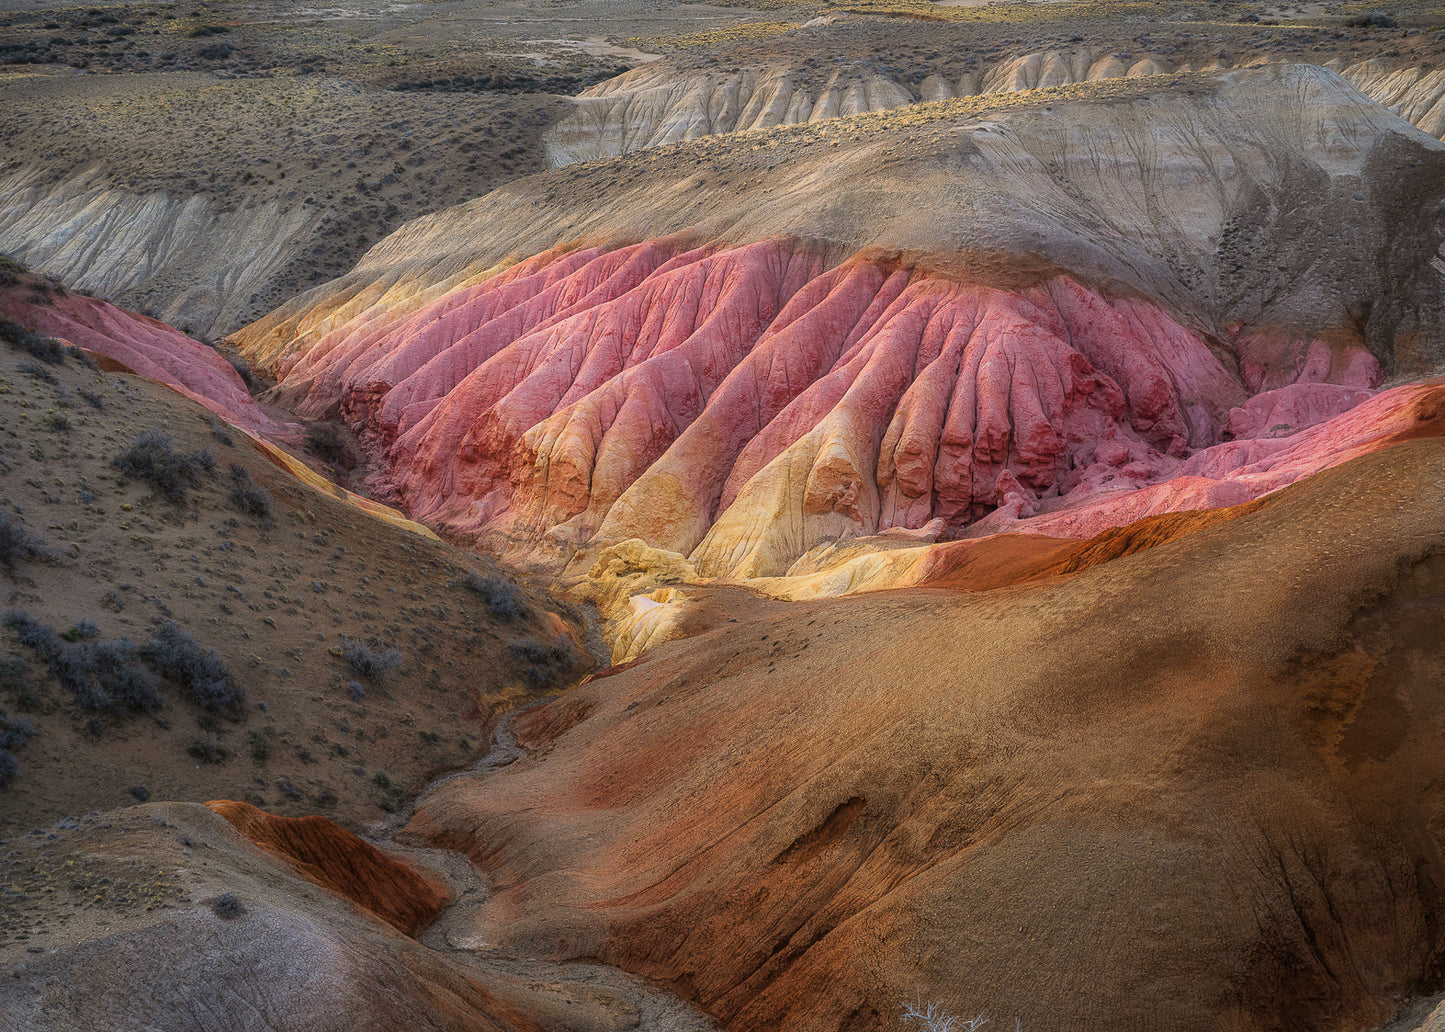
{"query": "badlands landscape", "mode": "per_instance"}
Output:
(750, 516)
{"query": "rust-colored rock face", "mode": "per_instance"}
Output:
(740, 404)
(335, 859)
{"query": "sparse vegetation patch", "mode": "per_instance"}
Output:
(14, 732)
(544, 665)
(152, 458)
(371, 660)
(103, 676)
(36, 345)
(201, 671)
(18, 546)
(246, 495)
(504, 600)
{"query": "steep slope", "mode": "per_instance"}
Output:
(328, 856)
(207, 202)
(910, 320)
(138, 344)
(341, 655)
(1186, 789)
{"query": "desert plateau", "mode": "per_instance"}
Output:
(740, 516)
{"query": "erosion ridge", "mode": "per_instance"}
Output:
(333, 858)
(659, 104)
(139, 344)
(1012, 510)
(741, 403)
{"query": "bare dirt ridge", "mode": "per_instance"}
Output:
(795, 824)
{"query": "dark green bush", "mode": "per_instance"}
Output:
(206, 749)
(543, 665)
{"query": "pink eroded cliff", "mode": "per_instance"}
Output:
(141, 344)
(740, 404)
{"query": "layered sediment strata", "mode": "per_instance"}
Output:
(743, 404)
(1141, 295)
(139, 344)
(657, 105)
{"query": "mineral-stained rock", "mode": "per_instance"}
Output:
(335, 859)
(971, 318)
(742, 404)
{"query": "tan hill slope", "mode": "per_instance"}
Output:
(354, 658)
(167, 916)
(1186, 789)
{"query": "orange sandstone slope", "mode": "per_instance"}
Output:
(1189, 789)
(330, 856)
(975, 316)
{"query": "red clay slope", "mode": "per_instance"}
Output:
(743, 403)
(139, 344)
(1187, 790)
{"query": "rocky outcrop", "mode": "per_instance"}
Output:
(1415, 93)
(198, 260)
(1217, 483)
(327, 855)
(652, 106)
(740, 405)
(657, 105)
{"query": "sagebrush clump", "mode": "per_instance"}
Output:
(208, 750)
(326, 440)
(227, 907)
(104, 676)
(18, 546)
(503, 598)
(248, 496)
(372, 660)
(37, 345)
(14, 732)
(153, 459)
(201, 671)
(545, 664)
